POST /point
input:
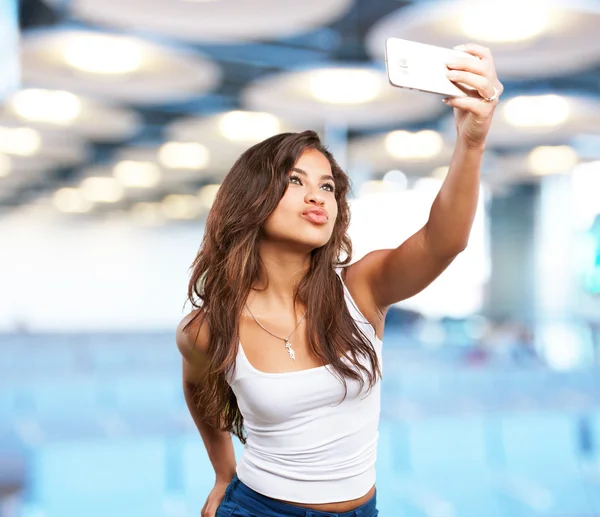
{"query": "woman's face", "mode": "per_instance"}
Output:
(307, 211)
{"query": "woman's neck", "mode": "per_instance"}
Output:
(282, 270)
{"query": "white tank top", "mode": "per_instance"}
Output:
(303, 444)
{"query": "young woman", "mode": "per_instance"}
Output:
(283, 348)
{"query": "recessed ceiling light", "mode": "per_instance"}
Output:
(147, 214)
(184, 155)
(505, 20)
(22, 141)
(185, 206)
(103, 54)
(71, 200)
(57, 107)
(131, 173)
(345, 86)
(248, 126)
(102, 189)
(413, 146)
(545, 160)
(536, 111)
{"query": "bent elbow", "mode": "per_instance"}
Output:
(451, 250)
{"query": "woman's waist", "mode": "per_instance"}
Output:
(318, 489)
(337, 507)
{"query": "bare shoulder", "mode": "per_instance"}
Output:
(192, 334)
(192, 337)
(357, 276)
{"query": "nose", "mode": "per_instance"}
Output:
(314, 198)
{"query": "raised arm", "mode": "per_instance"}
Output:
(384, 277)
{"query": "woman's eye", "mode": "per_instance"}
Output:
(328, 186)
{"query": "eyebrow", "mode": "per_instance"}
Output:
(304, 173)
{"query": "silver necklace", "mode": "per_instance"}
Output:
(286, 340)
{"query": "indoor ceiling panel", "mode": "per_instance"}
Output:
(530, 120)
(142, 176)
(532, 166)
(379, 154)
(24, 171)
(529, 38)
(52, 148)
(216, 21)
(352, 96)
(30, 171)
(227, 135)
(149, 158)
(65, 112)
(117, 67)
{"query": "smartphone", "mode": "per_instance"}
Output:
(422, 67)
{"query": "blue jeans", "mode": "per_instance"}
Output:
(241, 501)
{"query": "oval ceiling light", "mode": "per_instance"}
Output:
(59, 109)
(111, 66)
(536, 111)
(421, 145)
(37, 105)
(545, 160)
(184, 155)
(147, 214)
(354, 96)
(22, 141)
(345, 86)
(134, 174)
(224, 21)
(495, 22)
(34, 155)
(181, 206)
(102, 190)
(225, 136)
(71, 200)
(413, 153)
(103, 54)
(248, 126)
(231, 129)
(175, 169)
(529, 38)
(532, 120)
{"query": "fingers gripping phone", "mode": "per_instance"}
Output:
(422, 67)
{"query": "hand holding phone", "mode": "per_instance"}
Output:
(422, 67)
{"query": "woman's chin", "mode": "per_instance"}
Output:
(307, 239)
(316, 243)
(309, 242)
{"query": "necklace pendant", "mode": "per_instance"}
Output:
(288, 347)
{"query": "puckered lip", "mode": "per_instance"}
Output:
(316, 211)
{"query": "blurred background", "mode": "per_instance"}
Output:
(118, 121)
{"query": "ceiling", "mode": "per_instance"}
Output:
(202, 60)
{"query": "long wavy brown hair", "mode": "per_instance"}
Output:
(228, 264)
